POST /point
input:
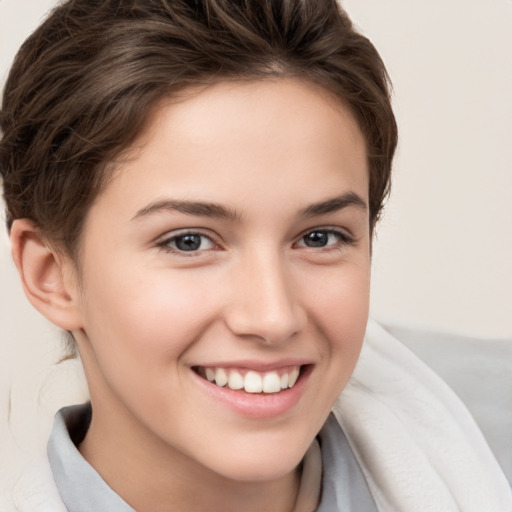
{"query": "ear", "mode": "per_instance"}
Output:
(48, 278)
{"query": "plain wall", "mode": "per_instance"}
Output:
(443, 254)
(443, 257)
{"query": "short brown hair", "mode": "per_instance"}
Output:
(83, 84)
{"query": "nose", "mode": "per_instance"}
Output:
(264, 302)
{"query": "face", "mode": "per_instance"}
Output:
(225, 278)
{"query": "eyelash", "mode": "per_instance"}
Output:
(165, 244)
(344, 239)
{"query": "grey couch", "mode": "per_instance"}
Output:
(480, 373)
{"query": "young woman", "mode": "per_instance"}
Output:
(191, 192)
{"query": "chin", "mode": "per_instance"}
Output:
(269, 471)
(261, 465)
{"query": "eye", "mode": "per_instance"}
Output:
(319, 238)
(187, 242)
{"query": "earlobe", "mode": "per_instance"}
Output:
(43, 275)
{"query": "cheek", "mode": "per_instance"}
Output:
(341, 307)
(138, 333)
(341, 312)
(144, 323)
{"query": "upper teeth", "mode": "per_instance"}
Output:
(252, 381)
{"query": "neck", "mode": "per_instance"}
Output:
(150, 475)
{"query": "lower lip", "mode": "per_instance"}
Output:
(258, 405)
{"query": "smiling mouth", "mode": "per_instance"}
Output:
(250, 381)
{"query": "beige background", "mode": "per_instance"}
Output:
(444, 250)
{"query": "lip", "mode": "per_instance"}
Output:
(257, 405)
(257, 366)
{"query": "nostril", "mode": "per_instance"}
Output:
(269, 329)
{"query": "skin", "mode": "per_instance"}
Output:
(144, 314)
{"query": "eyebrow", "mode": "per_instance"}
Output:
(334, 204)
(208, 209)
(199, 208)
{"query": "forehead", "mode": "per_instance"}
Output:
(234, 140)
